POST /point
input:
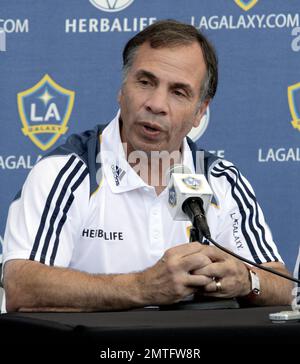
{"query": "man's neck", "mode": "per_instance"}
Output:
(153, 167)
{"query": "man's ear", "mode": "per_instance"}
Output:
(119, 95)
(200, 113)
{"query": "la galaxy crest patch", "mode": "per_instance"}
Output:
(294, 104)
(45, 110)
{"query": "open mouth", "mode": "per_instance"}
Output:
(150, 131)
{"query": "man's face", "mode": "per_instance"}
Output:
(159, 100)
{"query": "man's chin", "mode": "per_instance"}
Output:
(147, 147)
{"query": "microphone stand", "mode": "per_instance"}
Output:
(195, 235)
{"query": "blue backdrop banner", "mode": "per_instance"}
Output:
(60, 72)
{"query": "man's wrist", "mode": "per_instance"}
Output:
(141, 296)
(254, 285)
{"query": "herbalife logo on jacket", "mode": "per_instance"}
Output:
(118, 174)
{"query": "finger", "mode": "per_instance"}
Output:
(216, 288)
(194, 262)
(213, 253)
(184, 250)
(217, 269)
(198, 280)
(211, 287)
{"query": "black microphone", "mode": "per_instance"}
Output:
(193, 208)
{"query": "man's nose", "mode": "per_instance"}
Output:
(157, 102)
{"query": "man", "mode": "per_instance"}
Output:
(90, 229)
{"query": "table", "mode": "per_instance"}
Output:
(154, 327)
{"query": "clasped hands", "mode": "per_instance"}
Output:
(192, 268)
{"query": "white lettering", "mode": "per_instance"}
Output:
(281, 20)
(18, 162)
(126, 26)
(270, 155)
(82, 25)
(70, 25)
(260, 19)
(246, 21)
(269, 21)
(33, 116)
(22, 28)
(116, 354)
(241, 23)
(52, 112)
(116, 25)
(143, 22)
(260, 157)
(93, 26)
(213, 22)
(251, 21)
(14, 26)
(202, 23)
(104, 25)
(293, 20)
(224, 22)
(291, 155)
(279, 155)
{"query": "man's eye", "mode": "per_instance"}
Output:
(144, 82)
(179, 93)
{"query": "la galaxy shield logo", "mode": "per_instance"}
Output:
(45, 110)
(246, 4)
(192, 183)
(294, 104)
